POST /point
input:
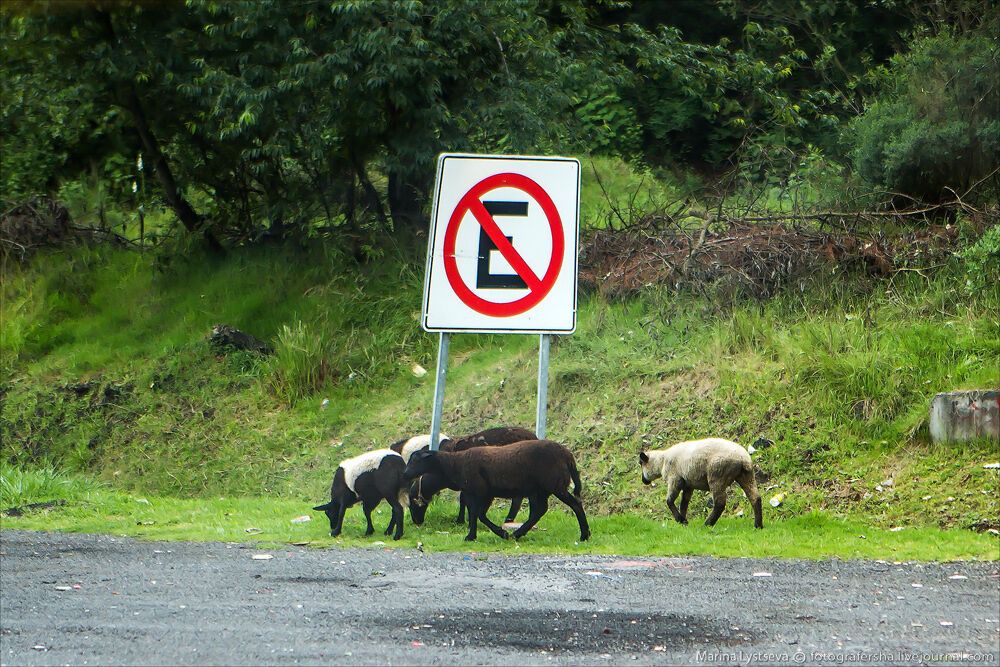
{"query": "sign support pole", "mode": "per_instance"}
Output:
(543, 384)
(439, 382)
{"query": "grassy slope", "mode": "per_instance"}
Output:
(839, 376)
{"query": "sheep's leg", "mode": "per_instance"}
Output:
(673, 490)
(392, 521)
(685, 499)
(719, 504)
(473, 506)
(461, 508)
(749, 486)
(537, 506)
(500, 532)
(368, 507)
(515, 507)
(397, 519)
(341, 511)
(576, 505)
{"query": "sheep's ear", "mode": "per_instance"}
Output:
(643, 457)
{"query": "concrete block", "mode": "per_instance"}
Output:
(957, 416)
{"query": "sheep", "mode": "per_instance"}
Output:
(370, 477)
(535, 469)
(407, 446)
(711, 464)
(425, 487)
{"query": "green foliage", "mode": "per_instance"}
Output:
(280, 113)
(699, 103)
(301, 363)
(311, 119)
(22, 486)
(935, 123)
(982, 263)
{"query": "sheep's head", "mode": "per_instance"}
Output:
(418, 503)
(649, 472)
(422, 490)
(421, 462)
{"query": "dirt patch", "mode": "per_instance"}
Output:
(573, 631)
(32, 507)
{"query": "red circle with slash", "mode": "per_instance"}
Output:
(472, 203)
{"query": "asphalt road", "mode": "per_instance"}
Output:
(86, 600)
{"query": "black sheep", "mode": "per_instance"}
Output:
(370, 478)
(425, 487)
(535, 469)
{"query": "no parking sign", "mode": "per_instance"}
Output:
(502, 252)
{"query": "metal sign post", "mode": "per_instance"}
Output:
(543, 385)
(439, 382)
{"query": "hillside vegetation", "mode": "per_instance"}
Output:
(789, 216)
(109, 372)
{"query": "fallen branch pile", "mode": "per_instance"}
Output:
(757, 255)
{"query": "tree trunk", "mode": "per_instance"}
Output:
(405, 202)
(368, 188)
(128, 98)
(191, 219)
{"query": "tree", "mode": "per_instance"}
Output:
(98, 44)
(934, 124)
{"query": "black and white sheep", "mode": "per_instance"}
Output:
(534, 469)
(370, 478)
(424, 488)
(711, 464)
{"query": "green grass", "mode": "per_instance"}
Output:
(812, 535)
(22, 487)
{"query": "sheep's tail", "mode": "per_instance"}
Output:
(575, 474)
(323, 508)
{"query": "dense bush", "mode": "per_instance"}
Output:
(982, 262)
(936, 122)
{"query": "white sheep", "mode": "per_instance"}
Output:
(711, 464)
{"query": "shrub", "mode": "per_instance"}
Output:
(982, 262)
(301, 363)
(935, 124)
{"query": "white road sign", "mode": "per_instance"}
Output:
(502, 252)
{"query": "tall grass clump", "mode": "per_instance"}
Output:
(301, 364)
(22, 486)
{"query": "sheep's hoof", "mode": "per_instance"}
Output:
(470, 538)
(504, 535)
(334, 533)
(396, 537)
(584, 537)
